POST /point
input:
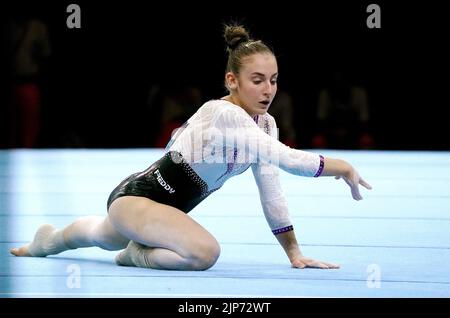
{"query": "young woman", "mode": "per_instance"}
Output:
(147, 212)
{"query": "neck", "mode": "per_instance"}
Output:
(232, 99)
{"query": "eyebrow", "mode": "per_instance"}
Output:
(261, 74)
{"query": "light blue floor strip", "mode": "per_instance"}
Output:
(394, 243)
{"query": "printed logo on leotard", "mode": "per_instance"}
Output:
(163, 183)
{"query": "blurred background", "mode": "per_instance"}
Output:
(135, 70)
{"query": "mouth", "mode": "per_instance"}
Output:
(265, 103)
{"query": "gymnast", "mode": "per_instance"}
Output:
(148, 211)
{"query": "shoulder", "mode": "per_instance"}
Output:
(230, 113)
(220, 106)
(221, 113)
(211, 108)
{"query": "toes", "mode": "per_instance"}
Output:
(22, 251)
(14, 251)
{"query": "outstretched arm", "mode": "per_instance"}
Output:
(289, 243)
(263, 146)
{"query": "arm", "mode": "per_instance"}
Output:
(276, 212)
(293, 161)
(259, 143)
(238, 127)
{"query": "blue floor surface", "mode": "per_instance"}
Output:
(394, 243)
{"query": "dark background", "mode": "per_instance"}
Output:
(95, 83)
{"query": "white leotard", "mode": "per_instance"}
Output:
(221, 140)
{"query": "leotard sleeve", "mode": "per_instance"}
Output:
(269, 154)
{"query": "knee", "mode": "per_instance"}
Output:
(205, 256)
(110, 242)
(103, 244)
(105, 237)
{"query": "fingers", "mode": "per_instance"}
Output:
(365, 184)
(355, 193)
(354, 181)
(355, 189)
(315, 264)
(332, 266)
(321, 266)
(324, 265)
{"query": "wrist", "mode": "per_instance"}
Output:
(294, 254)
(336, 167)
(346, 169)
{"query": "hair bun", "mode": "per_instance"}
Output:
(235, 35)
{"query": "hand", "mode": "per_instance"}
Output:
(306, 262)
(353, 179)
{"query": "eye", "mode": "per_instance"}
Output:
(257, 82)
(273, 82)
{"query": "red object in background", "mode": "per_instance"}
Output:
(166, 133)
(366, 141)
(26, 110)
(319, 141)
(290, 143)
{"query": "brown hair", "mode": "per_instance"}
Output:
(240, 46)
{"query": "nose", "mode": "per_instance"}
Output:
(269, 89)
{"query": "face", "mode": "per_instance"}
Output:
(256, 85)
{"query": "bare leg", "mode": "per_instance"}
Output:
(163, 237)
(84, 232)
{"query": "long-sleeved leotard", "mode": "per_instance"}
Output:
(221, 140)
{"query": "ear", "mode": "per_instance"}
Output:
(231, 81)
